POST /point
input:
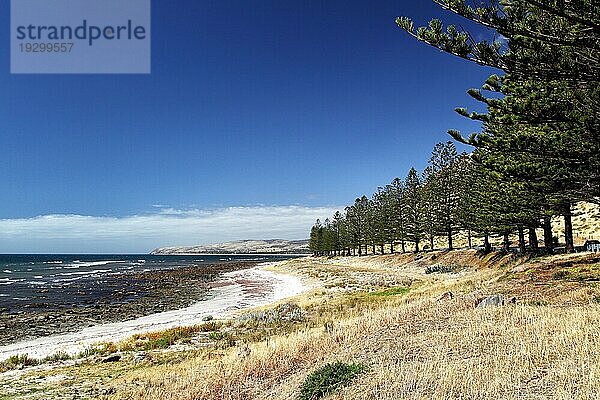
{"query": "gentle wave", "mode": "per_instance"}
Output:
(96, 271)
(35, 283)
(78, 264)
(67, 280)
(10, 281)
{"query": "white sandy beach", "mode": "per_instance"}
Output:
(237, 290)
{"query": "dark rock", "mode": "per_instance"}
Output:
(441, 269)
(111, 358)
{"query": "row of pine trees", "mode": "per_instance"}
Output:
(538, 152)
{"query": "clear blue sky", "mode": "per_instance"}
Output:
(249, 104)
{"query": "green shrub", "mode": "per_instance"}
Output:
(161, 343)
(327, 379)
(90, 351)
(18, 361)
(217, 335)
(59, 356)
(560, 274)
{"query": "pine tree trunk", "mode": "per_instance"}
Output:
(450, 247)
(382, 249)
(392, 247)
(486, 244)
(521, 240)
(431, 242)
(373, 249)
(568, 215)
(506, 242)
(470, 239)
(416, 246)
(548, 239)
(403, 247)
(534, 245)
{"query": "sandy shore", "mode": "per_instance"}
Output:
(236, 290)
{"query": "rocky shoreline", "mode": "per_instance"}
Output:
(118, 298)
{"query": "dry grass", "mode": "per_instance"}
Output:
(383, 312)
(418, 350)
(503, 353)
(414, 347)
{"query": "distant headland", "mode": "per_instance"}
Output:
(273, 246)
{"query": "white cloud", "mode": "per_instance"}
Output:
(166, 226)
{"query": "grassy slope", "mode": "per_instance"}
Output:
(383, 312)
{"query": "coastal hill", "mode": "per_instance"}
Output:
(273, 246)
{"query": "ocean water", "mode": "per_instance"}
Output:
(56, 281)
